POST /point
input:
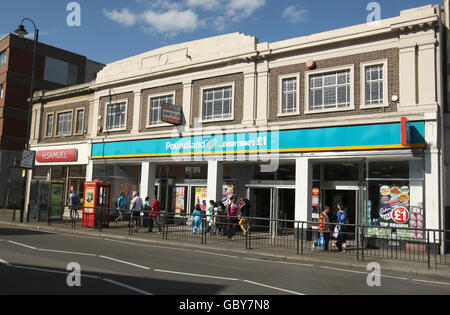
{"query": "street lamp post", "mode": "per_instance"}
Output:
(21, 31)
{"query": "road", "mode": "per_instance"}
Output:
(34, 262)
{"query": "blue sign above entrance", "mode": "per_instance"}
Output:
(364, 137)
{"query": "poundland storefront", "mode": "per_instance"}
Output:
(288, 174)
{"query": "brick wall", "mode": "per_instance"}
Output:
(114, 99)
(393, 83)
(238, 95)
(145, 111)
(58, 109)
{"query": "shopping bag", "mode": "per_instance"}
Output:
(321, 241)
(336, 232)
(189, 221)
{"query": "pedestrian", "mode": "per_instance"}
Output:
(74, 201)
(233, 220)
(121, 204)
(210, 216)
(342, 228)
(221, 219)
(198, 217)
(136, 208)
(324, 226)
(154, 215)
(244, 213)
(146, 209)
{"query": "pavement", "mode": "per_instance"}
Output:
(261, 250)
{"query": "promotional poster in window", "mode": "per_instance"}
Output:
(394, 206)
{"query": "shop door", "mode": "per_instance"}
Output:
(349, 198)
(272, 204)
(286, 210)
(56, 200)
(261, 207)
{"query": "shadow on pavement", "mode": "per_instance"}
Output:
(12, 231)
(34, 280)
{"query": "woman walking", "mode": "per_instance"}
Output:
(198, 217)
(233, 220)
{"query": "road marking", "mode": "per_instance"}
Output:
(87, 276)
(65, 252)
(195, 275)
(280, 262)
(125, 262)
(398, 278)
(344, 270)
(127, 286)
(433, 282)
(274, 288)
(145, 245)
(20, 244)
(5, 263)
(205, 252)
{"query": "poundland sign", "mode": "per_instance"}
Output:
(363, 137)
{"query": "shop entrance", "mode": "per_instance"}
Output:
(272, 203)
(348, 197)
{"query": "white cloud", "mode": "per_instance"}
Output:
(124, 17)
(219, 23)
(294, 14)
(172, 22)
(207, 5)
(240, 9)
(171, 17)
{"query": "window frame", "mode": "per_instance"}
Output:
(281, 78)
(46, 135)
(217, 86)
(363, 66)
(148, 123)
(5, 53)
(105, 125)
(57, 123)
(79, 109)
(351, 107)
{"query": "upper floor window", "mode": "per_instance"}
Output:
(217, 103)
(156, 104)
(116, 116)
(49, 127)
(80, 121)
(64, 127)
(329, 91)
(374, 84)
(2, 58)
(61, 72)
(1, 91)
(289, 94)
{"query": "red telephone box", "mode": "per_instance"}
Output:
(96, 203)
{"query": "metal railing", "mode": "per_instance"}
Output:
(302, 238)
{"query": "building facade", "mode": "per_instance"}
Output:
(55, 68)
(352, 116)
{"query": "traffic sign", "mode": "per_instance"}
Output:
(28, 159)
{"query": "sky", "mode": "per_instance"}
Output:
(110, 30)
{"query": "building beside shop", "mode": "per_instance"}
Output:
(56, 68)
(271, 121)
